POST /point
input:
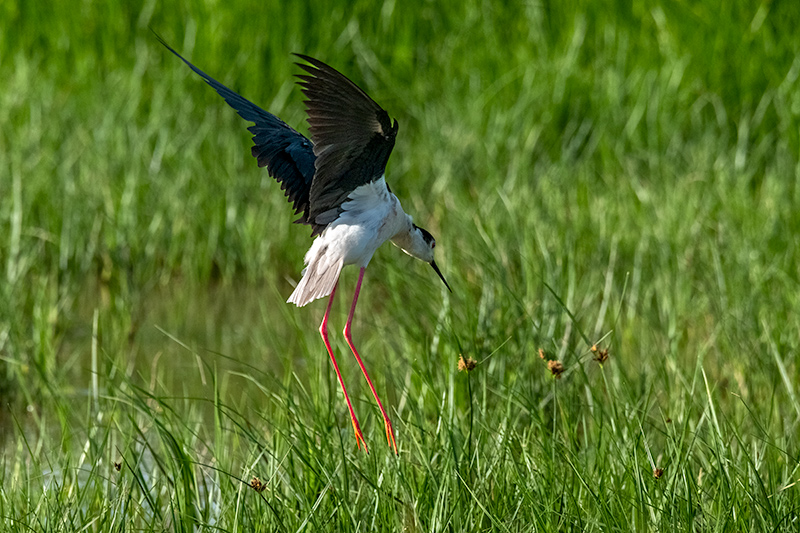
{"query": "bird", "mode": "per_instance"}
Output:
(336, 182)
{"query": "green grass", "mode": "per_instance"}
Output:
(625, 174)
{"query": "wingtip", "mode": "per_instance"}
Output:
(168, 47)
(307, 59)
(314, 66)
(160, 39)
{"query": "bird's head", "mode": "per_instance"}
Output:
(420, 243)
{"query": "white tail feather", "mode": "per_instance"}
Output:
(318, 281)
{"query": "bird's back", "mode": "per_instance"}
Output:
(371, 216)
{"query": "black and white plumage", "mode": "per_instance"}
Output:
(341, 170)
(336, 182)
(353, 137)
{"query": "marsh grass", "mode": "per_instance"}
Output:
(615, 174)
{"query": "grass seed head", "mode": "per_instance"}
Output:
(257, 485)
(466, 363)
(601, 356)
(555, 368)
(658, 472)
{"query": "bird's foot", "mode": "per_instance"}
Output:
(390, 435)
(359, 437)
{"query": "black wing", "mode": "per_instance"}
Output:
(288, 156)
(353, 137)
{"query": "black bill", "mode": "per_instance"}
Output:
(436, 268)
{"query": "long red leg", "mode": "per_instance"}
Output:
(323, 330)
(387, 423)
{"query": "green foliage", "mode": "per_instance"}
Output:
(622, 174)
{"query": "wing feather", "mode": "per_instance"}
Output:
(288, 155)
(353, 136)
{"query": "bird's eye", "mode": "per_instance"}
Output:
(433, 245)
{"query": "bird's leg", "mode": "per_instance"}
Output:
(323, 330)
(347, 336)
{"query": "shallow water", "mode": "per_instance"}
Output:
(171, 341)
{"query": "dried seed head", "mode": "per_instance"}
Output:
(257, 485)
(541, 353)
(466, 363)
(555, 368)
(601, 356)
(117, 466)
(658, 472)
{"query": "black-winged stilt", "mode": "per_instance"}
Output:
(336, 180)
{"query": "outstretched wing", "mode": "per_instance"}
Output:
(288, 156)
(353, 137)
